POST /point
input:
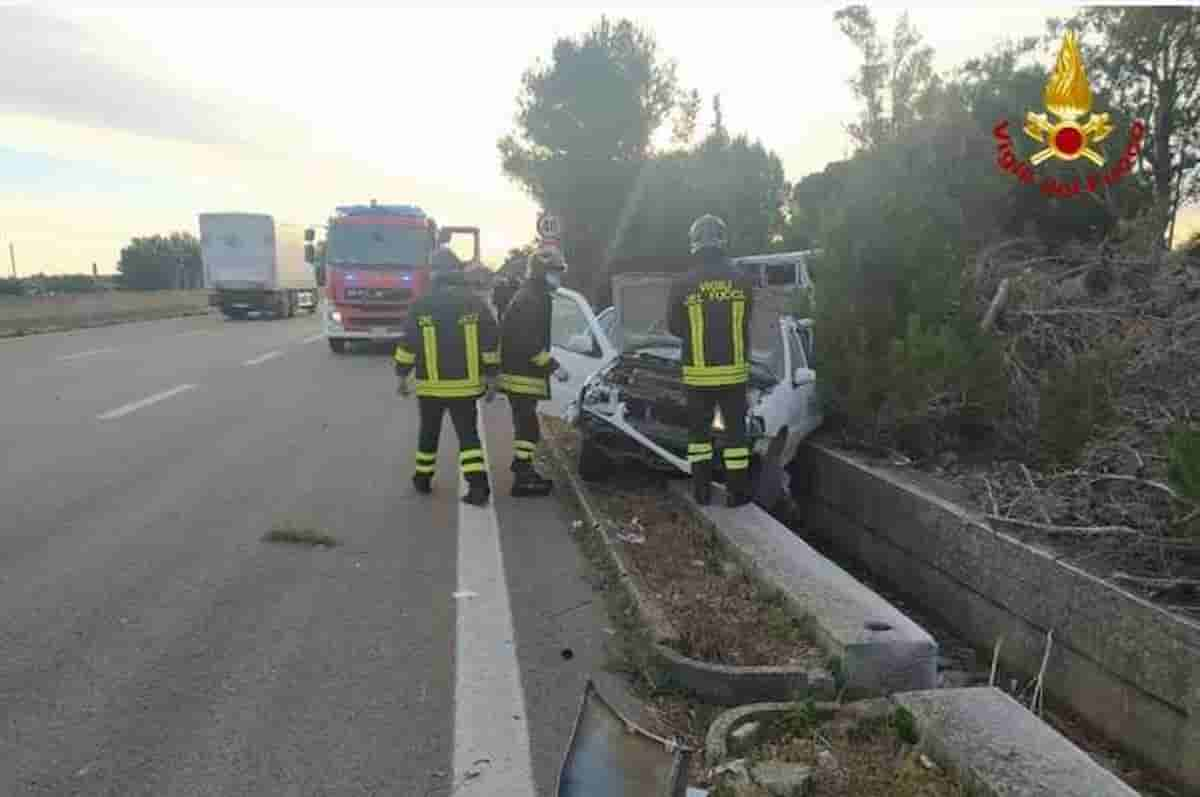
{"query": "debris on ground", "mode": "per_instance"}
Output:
(718, 611)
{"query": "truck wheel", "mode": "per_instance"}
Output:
(594, 464)
(338, 345)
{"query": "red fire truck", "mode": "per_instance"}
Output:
(375, 265)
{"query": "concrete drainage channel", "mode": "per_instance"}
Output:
(994, 744)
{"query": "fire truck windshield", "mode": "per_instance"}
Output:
(377, 245)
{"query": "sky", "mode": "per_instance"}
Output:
(116, 122)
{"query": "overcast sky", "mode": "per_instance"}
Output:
(123, 122)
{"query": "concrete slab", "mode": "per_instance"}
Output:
(1002, 749)
(880, 649)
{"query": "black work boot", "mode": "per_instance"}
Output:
(702, 483)
(479, 492)
(528, 482)
(737, 484)
(423, 482)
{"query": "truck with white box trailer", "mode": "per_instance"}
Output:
(255, 264)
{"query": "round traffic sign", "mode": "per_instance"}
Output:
(548, 226)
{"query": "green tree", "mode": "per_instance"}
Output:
(892, 83)
(1147, 59)
(583, 135)
(159, 262)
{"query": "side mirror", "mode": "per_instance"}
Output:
(581, 344)
(310, 235)
(804, 376)
(310, 253)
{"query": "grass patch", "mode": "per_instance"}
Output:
(299, 535)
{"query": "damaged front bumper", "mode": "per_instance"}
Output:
(652, 432)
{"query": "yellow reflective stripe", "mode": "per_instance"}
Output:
(424, 458)
(716, 375)
(491, 358)
(524, 445)
(739, 337)
(470, 453)
(541, 359)
(696, 317)
(699, 448)
(426, 469)
(478, 467)
(736, 458)
(471, 333)
(522, 384)
(429, 336)
(450, 388)
(404, 356)
(700, 457)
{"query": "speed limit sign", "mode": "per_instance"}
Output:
(548, 227)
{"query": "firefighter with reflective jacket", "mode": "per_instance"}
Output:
(451, 344)
(709, 309)
(526, 364)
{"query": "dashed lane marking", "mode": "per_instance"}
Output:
(271, 355)
(120, 412)
(83, 354)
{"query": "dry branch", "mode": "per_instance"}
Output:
(1082, 531)
(1157, 583)
(997, 305)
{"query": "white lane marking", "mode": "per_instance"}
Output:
(491, 736)
(146, 402)
(271, 355)
(313, 338)
(82, 354)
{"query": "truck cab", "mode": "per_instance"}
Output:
(375, 264)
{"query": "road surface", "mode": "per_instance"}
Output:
(152, 644)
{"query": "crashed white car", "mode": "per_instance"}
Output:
(621, 383)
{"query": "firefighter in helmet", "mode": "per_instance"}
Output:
(526, 364)
(709, 308)
(450, 342)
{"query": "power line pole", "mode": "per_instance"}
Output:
(12, 256)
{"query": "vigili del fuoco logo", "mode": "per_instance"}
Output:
(1065, 133)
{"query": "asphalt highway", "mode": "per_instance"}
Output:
(151, 643)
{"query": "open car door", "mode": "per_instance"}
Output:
(580, 345)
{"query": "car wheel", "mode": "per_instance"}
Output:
(337, 345)
(594, 464)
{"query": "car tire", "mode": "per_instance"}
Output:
(337, 345)
(767, 474)
(594, 464)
